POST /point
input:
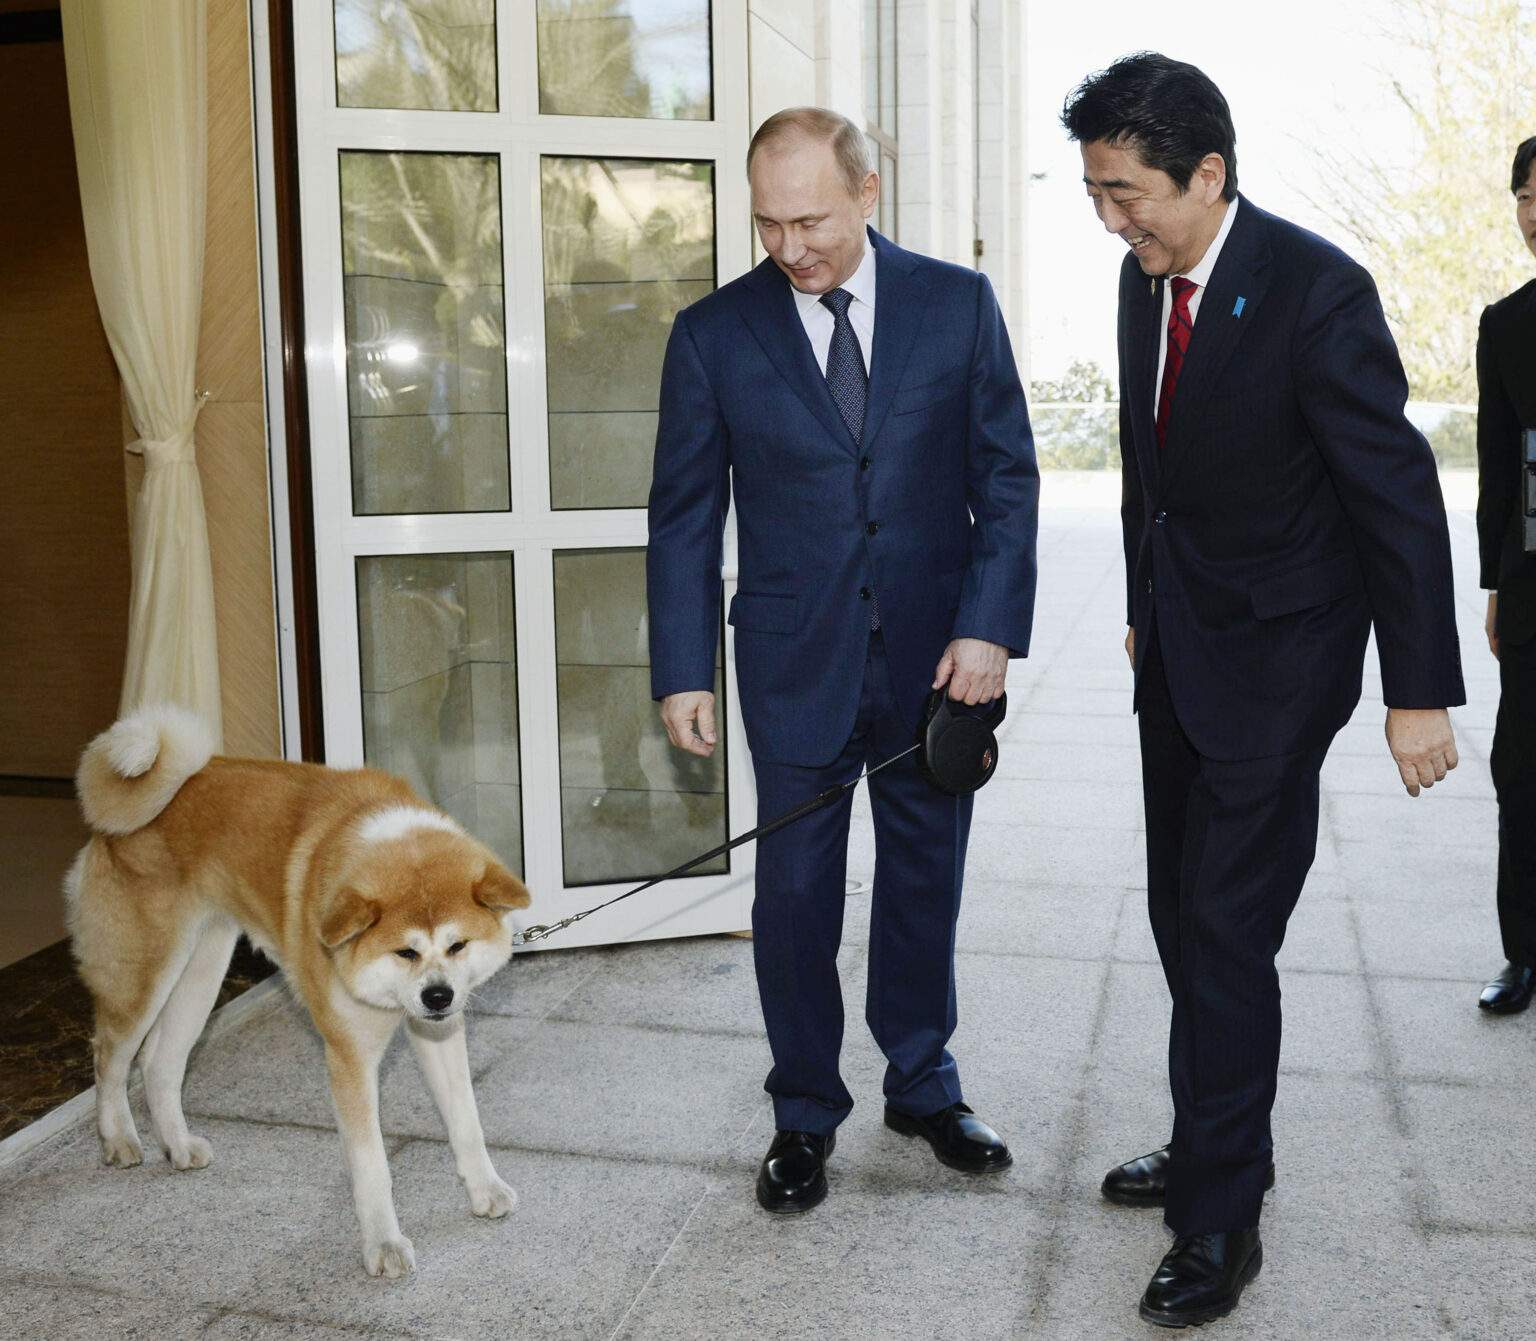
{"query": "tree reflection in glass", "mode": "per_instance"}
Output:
(426, 332)
(628, 243)
(630, 58)
(434, 55)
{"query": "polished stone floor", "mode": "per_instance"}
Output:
(620, 1091)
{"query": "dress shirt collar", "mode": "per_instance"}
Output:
(861, 284)
(1200, 273)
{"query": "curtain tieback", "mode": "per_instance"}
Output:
(176, 448)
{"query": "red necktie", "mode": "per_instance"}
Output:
(1180, 328)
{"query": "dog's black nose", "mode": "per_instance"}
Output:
(438, 997)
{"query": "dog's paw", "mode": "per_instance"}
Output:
(197, 1155)
(121, 1152)
(390, 1257)
(492, 1200)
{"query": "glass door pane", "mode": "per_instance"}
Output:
(438, 55)
(631, 806)
(426, 332)
(437, 644)
(631, 58)
(628, 243)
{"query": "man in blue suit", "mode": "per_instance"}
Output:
(862, 405)
(1277, 506)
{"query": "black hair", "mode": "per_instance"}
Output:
(1167, 112)
(1525, 155)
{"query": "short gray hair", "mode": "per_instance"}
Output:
(849, 146)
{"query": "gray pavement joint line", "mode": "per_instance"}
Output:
(660, 1262)
(1385, 1072)
(1047, 1260)
(220, 1312)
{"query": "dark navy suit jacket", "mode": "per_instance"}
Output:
(1292, 506)
(1506, 407)
(934, 511)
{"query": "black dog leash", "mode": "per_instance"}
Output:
(959, 755)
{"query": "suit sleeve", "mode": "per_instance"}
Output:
(997, 599)
(690, 493)
(1498, 457)
(1353, 390)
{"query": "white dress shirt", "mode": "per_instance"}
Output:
(1200, 274)
(819, 321)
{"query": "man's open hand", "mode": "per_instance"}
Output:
(974, 670)
(678, 715)
(1422, 742)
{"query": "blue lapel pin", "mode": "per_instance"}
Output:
(1237, 309)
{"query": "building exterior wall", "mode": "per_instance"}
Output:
(811, 51)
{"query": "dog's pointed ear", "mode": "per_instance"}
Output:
(349, 915)
(501, 891)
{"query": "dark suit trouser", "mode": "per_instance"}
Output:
(797, 922)
(1513, 764)
(1229, 844)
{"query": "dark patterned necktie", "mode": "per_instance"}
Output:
(1180, 327)
(848, 381)
(846, 377)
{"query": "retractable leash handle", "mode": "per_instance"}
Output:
(958, 755)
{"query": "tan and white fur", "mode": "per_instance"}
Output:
(377, 906)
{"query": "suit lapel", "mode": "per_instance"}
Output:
(1228, 308)
(775, 322)
(1144, 335)
(898, 291)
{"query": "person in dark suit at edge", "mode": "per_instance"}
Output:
(862, 404)
(1506, 412)
(1276, 506)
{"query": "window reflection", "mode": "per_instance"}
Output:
(425, 328)
(628, 243)
(438, 650)
(630, 58)
(437, 55)
(631, 806)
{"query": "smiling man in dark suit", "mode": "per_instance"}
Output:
(862, 405)
(1277, 506)
(1506, 415)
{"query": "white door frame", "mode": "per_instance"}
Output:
(531, 532)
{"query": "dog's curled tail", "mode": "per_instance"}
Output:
(130, 772)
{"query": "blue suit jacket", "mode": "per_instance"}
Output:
(934, 510)
(1292, 505)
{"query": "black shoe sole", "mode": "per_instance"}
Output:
(908, 1126)
(1148, 1202)
(798, 1206)
(1194, 1317)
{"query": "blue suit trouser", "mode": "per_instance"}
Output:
(1229, 844)
(797, 921)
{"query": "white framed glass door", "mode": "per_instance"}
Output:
(504, 204)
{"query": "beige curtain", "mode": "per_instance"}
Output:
(137, 100)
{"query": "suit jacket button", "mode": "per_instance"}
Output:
(1160, 518)
(864, 463)
(863, 593)
(872, 527)
(1149, 586)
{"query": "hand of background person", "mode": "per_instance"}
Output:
(1493, 610)
(678, 712)
(1130, 645)
(1422, 742)
(974, 670)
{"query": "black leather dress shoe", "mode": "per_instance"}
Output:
(1510, 992)
(794, 1173)
(959, 1138)
(1144, 1181)
(1202, 1277)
